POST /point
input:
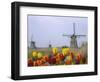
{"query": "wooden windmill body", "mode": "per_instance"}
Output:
(73, 42)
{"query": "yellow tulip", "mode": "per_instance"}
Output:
(39, 55)
(34, 54)
(65, 51)
(55, 51)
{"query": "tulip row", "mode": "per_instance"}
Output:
(66, 57)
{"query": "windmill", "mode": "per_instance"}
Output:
(50, 46)
(73, 42)
(32, 45)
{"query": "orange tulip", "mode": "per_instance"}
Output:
(39, 62)
(45, 58)
(69, 60)
(58, 59)
(35, 63)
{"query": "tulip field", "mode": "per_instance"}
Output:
(56, 56)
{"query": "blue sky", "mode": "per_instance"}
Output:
(49, 29)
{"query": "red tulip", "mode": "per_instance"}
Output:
(30, 62)
(52, 60)
(72, 55)
(78, 58)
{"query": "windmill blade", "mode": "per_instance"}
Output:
(74, 28)
(67, 35)
(81, 35)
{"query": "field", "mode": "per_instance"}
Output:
(57, 56)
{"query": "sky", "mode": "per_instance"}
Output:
(50, 29)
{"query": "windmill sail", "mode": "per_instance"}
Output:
(74, 28)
